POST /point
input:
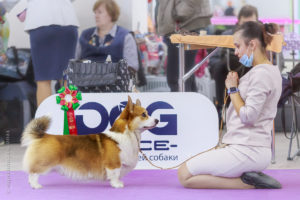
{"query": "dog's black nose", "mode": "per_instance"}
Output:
(156, 121)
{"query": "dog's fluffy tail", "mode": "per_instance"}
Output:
(35, 129)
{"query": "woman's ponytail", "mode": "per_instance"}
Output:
(268, 30)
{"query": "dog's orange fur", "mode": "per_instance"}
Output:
(85, 153)
(126, 118)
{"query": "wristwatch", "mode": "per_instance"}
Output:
(232, 90)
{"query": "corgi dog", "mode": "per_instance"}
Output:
(104, 156)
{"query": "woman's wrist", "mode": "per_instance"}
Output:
(232, 90)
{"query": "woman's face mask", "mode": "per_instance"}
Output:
(240, 48)
(247, 61)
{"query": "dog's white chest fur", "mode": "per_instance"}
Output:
(128, 144)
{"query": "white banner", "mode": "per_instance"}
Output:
(188, 122)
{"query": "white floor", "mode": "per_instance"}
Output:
(11, 155)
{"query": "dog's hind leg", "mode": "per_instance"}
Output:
(33, 180)
(34, 170)
(113, 175)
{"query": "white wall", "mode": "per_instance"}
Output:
(272, 8)
(125, 15)
(132, 13)
(139, 15)
(266, 8)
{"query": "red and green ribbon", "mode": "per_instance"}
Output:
(68, 107)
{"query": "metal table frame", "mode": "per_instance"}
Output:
(182, 76)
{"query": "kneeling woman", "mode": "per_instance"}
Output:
(250, 116)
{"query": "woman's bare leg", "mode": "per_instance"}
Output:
(43, 91)
(209, 181)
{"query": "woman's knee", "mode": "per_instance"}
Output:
(183, 175)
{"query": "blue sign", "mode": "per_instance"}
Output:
(169, 129)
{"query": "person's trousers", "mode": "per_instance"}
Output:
(173, 67)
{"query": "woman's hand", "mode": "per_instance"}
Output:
(232, 80)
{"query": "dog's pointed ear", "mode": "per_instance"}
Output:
(138, 102)
(129, 105)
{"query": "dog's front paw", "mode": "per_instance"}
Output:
(36, 186)
(117, 184)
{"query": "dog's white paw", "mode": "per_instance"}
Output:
(33, 180)
(117, 184)
(36, 186)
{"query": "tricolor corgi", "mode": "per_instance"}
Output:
(103, 156)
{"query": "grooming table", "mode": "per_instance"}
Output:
(190, 42)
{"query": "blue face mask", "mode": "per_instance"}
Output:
(247, 61)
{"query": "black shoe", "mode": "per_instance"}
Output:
(260, 180)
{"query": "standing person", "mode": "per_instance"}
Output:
(229, 11)
(52, 26)
(188, 15)
(250, 117)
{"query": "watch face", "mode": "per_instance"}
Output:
(233, 89)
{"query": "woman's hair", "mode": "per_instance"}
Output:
(257, 30)
(111, 7)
